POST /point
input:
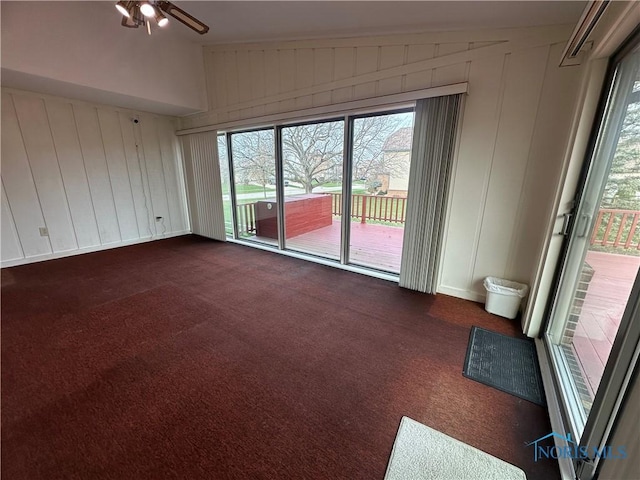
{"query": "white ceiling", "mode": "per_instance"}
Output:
(78, 49)
(250, 21)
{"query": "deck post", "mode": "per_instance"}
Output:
(363, 218)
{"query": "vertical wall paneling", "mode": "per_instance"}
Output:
(244, 75)
(287, 76)
(78, 177)
(453, 74)
(36, 134)
(304, 75)
(366, 62)
(418, 53)
(97, 173)
(271, 73)
(155, 174)
(390, 56)
(513, 126)
(219, 81)
(172, 174)
(118, 173)
(137, 176)
(19, 185)
(477, 140)
(74, 175)
(189, 180)
(517, 119)
(343, 67)
(230, 72)
(322, 73)
(11, 248)
(547, 147)
(256, 60)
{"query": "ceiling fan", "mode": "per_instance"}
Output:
(135, 14)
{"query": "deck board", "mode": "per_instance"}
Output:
(372, 245)
(602, 311)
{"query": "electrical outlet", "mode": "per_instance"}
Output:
(44, 232)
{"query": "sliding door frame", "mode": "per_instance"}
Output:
(348, 177)
(348, 118)
(347, 182)
(232, 186)
(597, 426)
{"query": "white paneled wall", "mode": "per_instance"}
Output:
(513, 137)
(88, 175)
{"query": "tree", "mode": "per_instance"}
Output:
(313, 153)
(253, 157)
(623, 185)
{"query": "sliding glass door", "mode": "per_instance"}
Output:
(312, 159)
(589, 329)
(254, 185)
(380, 159)
(287, 187)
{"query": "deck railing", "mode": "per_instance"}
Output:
(613, 228)
(617, 228)
(366, 208)
(247, 219)
(373, 208)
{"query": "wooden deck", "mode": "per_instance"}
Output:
(372, 245)
(602, 311)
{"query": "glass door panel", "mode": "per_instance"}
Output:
(603, 256)
(312, 159)
(381, 155)
(254, 175)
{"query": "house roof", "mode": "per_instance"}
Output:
(399, 141)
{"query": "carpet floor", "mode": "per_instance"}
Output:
(187, 358)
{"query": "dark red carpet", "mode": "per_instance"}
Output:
(187, 358)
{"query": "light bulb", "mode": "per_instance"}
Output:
(123, 7)
(161, 19)
(147, 9)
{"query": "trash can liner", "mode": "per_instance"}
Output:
(505, 287)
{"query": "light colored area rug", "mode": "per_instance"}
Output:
(419, 452)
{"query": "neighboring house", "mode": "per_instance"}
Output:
(396, 156)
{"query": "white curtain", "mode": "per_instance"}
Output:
(204, 184)
(434, 137)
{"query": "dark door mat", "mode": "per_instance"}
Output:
(506, 363)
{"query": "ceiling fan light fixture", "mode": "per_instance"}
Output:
(147, 9)
(136, 13)
(161, 19)
(138, 18)
(125, 8)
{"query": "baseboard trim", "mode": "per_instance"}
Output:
(80, 251)
(461, 293)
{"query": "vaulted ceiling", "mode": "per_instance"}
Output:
(250, 21)
(80, 50)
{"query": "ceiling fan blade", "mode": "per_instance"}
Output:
(182, 16)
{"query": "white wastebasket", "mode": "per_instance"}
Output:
(504, 297)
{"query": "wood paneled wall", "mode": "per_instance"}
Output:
(513, 139)
(88, 175)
